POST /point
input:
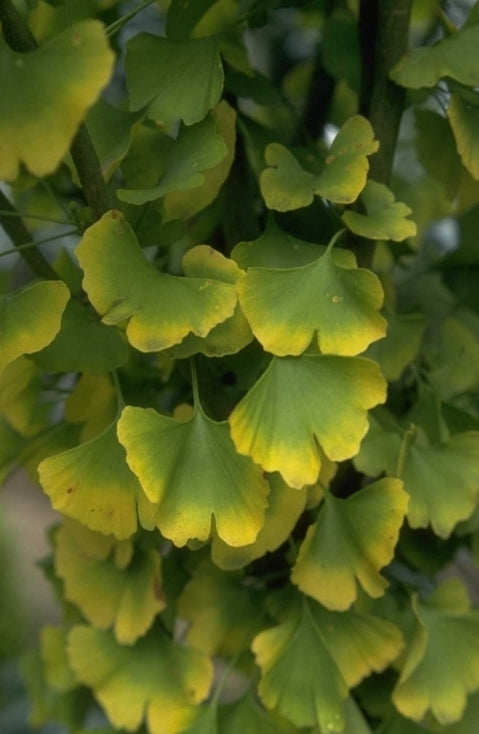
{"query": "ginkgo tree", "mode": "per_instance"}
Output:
(239, 353)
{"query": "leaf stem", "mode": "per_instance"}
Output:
(36, 217)
(35, 243)
(120, 22)
(335, 238)
(119, 392)
(20, 236)
(408, 438)
(194, 384)
(20, 38)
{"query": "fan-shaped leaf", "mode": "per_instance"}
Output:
(136, 683)
(162, 309)
(43, 101)
(20, 397)
(288, 308)
(385, 218)
(441, 665)
(334, 394)
(30, 319)
(191, 473)
(58, 674)
(126, 598)
(221, 614)
(92, 483)
(94, 403)
(401, 344)
(350, 543)
(453, 57)
(196, 149)
(464, 119)
(179, 80)
(285, 185)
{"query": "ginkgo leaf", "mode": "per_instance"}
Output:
(231, 335)
(442, 481)
(21, 400)
(162, 309)
(464, 120)
(314, 656)
(83, 344)
(125, 598)
(288, 308)
(179, 80)
(441, 666)
(299, 677)
(285, 505)
(37, 126)
(285, 185)
(451, 57)
(196, 149)
(94, 403)
(38, 308)
(354, 721)
(183, 16)
(11, 446)
(156, 680)
(220, 611)
(203, 720)
(185, 204)
(385, 218)
(92, 483)
(334, 394)
(247, 715)
(350, 543)
(192, 473)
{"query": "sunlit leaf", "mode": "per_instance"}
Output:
(125, 599)
(191, 472)
(385, 218)
(285, 505)
(350, 543)
(162, 309)
(285, 185)
(197, 148)
(179, 80)
(38, 308)
(334, 394)
(451, 57)
(92, 483)
(44, 101)
(221, 614)
(442, 663)
(233, 334)
(185, 204)
(83, 344)
(338, 306)
(136, 683)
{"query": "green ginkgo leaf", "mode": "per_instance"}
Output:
(162, 309)
(196, 149)
(442, 481)
(334, 394)
(338, 306)
(352, 540)
(21, 400)
(453, 57)
(92, 483)
(385, 218)
(11, 446)
(203, 720)
(285, 185)
(231, 335)
(247, 715)
(178, 80)
(192, 474)
(38, 124)
(58, 673)
(125, 598)
(94, 403)
(83, 344)
(401, 344)
(464, 120)
(340, 649)
(38, 308)
(185, 204)
(441, 666)
(220, 611)
(183, 16)
(156, 680)
(354, 721)
(285, 506)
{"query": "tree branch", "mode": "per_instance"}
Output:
(20, 38)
